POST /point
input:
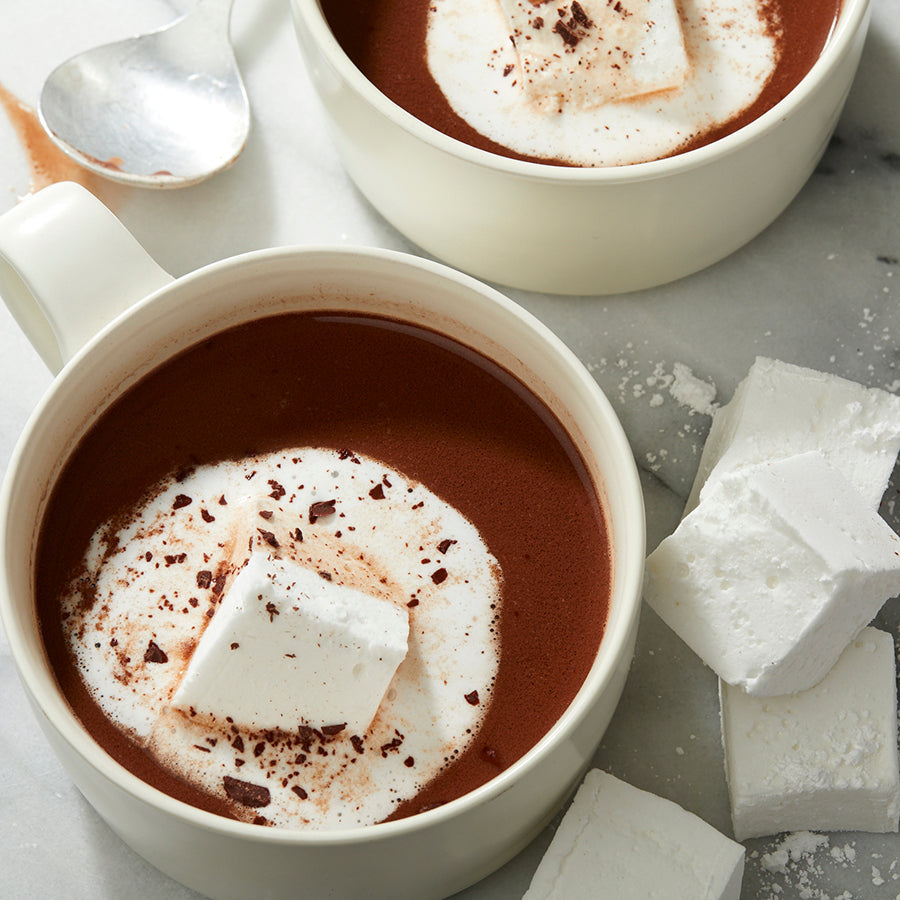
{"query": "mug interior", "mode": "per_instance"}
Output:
(216, 298)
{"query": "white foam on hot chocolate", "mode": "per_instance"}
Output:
(152, 586)
(598, 83)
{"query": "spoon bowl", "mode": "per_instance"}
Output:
(166, 109)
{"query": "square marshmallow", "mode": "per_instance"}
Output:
(616, 840)
(774, 573)
(824, 759)
(596, 52)
(287, 647)
(780, 410)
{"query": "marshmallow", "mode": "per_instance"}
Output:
(598, 51)
(774, 573)
(618, 841)
(823, 759)
(288, 647)
(780, 409)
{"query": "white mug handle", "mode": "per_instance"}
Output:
(68, 267)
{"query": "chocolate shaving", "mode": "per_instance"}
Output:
(268, 537)
(357, 742)
(445, 545)
(320, 509)
(299, 792)
(331, 730)
(580, 16)
(247, 794)
(568, 36)
(204, 579)
(377, 492)
(439, 576)
(272, 610)
(277, 490)
(207, 516)
(472, 698)
(154, 654)
(181, 500)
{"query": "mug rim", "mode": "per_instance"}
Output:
(850, 19)
(36, 673)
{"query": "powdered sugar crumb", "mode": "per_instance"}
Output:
(690, 391)
(679, 382)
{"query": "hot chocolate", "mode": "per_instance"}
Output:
(584, 83)
(377, 457)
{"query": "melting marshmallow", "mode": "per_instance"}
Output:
(824, 759)
(598, 52)
(618, 841)
(781, 409)
(288, 647)
(777, 569)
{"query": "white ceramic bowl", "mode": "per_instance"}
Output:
(615, 229)
(432, 854)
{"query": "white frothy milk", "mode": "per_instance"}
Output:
(152, 586)
(598, 83)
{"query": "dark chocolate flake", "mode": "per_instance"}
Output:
(268, 537)
(331, 730)
(580, 16)
(154, 654)
(204, 579)
(181, 500)
(472, 698)
(445, 545)
(320, 509)
(568, 36)
(247, 794)
(299, 792)
(439, 576)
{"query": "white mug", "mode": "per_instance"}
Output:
(576, 230)
(102, 313)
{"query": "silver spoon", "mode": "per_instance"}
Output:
(166, 109)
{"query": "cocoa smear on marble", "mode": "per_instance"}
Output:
(424, 405)
(386, 41)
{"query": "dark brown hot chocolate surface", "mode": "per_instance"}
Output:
(386, 41)
(423, 405)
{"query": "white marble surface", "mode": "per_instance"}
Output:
(820, 287)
